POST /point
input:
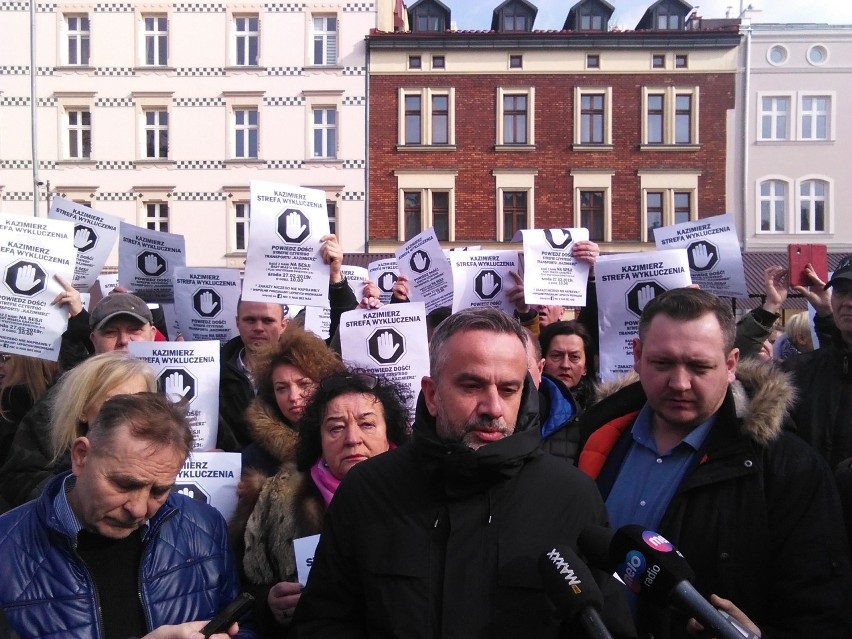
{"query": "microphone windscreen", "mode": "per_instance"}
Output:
(568, 582)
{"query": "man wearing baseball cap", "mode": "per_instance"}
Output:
(823, 414)
(118, 319)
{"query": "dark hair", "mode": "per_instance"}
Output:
(299, 349)
(569, 327)
(148, 416)
(390, 396)
(689, 304)
(470, 319)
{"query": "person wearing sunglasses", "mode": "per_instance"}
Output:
(352, 416)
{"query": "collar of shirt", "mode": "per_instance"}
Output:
(642, 435)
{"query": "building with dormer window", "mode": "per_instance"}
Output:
(513, 16)
(428, 16)
(589, 15)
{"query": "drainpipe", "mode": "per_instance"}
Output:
(33, 104)
(367, 149)
(745, 128)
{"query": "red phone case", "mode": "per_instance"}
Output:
(800, 255)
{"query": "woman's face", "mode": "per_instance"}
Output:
(566, 359)
(293, 390)
(130, 386)
(353, 429)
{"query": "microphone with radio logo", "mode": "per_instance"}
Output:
(653, 568)
(572, 589)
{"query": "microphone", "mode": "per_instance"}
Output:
(569, 584)
(653, 568)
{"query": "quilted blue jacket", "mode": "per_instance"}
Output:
(187, 571)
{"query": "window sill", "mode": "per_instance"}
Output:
(154, 162)
(669, 147)
(256, 68)
(76, 162)
(238, 161)
(421, 148)
(514, 148)
(794, 142)
(324, 161)
(152, 68)
(75, 67)
(592, 147)
(323, 67)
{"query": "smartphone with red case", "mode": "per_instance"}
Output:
(800, 255)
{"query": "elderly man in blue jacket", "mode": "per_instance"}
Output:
(107, 550)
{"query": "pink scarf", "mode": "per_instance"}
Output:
(325, 481)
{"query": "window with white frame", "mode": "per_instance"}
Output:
(815, 117)
(157, 216)
(324, 40)
(155, 40)
(156, 130)
(78, 36)
(246, 40)
(324, 132)
(246, 130)
(670, 116)
(515, 191)
(772, 202)
(775, 117)
(515, 116)
(667, 198)
(593, 202)
(427, 116)
(426, 199)
(79, 134)
(592, 116)
(813, 206)
(240, 226)
(331, 210)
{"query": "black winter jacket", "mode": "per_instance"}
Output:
(438, 540)
(757, 518)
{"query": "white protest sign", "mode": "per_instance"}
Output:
(355, 278)
(103, 286)
(170, 320)
(625, 284)
(318, 321)
(187, 371)
(147, 260)
(283, 263)
(391, 341)
(552, 275)
(384, 273)
(32, 252)
(713, 251)
(428, 270)
(206, 302)
(456, 249)
(305, 548)
(481, 279)
(211, 478)
(95, 234)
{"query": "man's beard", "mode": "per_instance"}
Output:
(466, 433)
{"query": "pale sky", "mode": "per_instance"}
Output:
(476, 14)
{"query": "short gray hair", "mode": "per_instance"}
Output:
(470, 319)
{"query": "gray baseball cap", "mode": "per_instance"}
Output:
(116, 304)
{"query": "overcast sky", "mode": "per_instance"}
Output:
(476, 14)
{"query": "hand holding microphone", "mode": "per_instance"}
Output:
(653, 568)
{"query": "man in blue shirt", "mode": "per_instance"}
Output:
(696, 450)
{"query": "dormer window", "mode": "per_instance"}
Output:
(665, 15)
(428, 15)
(514, 16)
(589, 15)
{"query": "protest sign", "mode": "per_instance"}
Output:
(552, 275)
(428, 270)
(481, 279)
(283, 262)
(206, 303)
(212, 479)
(384, 273)
(147, 260)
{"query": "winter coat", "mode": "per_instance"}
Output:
(434, 539)
(757, 517)
(235, 394)
(558, 413)
(186, 571)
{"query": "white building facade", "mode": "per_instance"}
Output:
(791, 182)
(162, 113)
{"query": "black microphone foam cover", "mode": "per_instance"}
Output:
(568, 582)
(594, 542)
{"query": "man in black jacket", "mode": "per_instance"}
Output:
(441, 537)
(696, 450)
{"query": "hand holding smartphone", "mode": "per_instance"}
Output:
(799, 256)
(231, 613)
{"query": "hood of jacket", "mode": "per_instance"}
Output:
(271, 430)
(557, 405)
(762, 396)
(463, 471)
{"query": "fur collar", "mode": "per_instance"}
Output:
(762, 395)
(271, 431)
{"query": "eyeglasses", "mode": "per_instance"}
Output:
(358, 382)
(4, 358)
